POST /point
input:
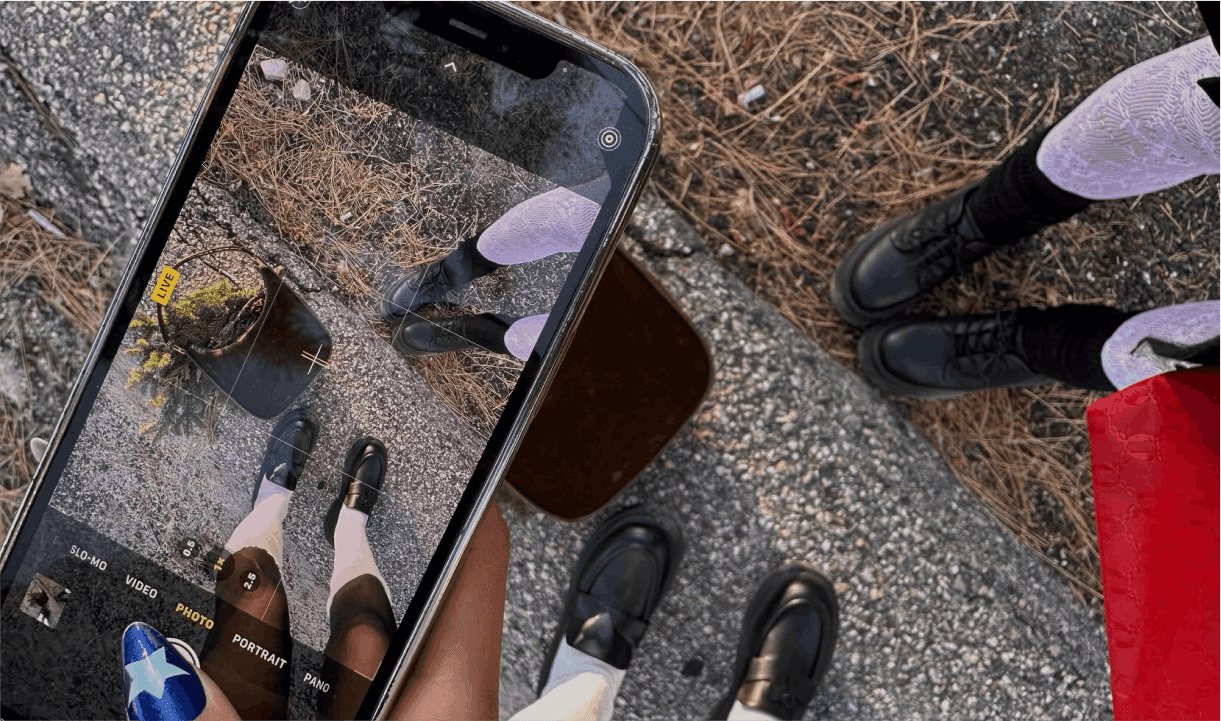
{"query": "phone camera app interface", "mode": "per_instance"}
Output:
(361, 269)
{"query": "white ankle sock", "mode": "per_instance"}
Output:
(742, 713)
(579, 687)
(263, 527)
(353, 557)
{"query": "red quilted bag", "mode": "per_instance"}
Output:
(1154, 447)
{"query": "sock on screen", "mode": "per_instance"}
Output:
(263, 526)
(353, 556)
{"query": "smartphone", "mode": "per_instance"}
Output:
(385, 223)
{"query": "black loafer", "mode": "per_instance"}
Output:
(893, 266)
(931, 357)
(788, 637)
(363, 472)
(623, 573)
(431, 283)
(291, 442)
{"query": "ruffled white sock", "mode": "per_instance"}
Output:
(579, 687)
(263, 527)
(353, 557)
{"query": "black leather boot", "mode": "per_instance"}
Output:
(623, 573)
(788, 638)
(432, 282)
(425, 337)
(931, 357)
(893, 266)
(363, 472)
(287, 451)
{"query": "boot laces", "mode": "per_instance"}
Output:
(939, 240)
(991, 336)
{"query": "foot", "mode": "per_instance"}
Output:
(788, 637)
(623, 573)
(896, 264)
(431, 283)
(425, 337)
(284, 460)
(363, 472)
(929, 357)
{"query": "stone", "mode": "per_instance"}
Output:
(273, 69)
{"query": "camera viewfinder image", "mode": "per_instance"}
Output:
(45, 600)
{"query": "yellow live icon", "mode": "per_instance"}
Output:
(165, 285)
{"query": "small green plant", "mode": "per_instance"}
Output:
(208, 318)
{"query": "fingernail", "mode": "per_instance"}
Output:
(158, 683)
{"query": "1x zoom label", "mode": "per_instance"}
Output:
(165, 285)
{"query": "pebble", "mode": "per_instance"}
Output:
(750, 96)
(273, 69)
(301, 90)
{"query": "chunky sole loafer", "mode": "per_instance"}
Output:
(292, 440)
(623, 574)
(788, 638)
(364, 469)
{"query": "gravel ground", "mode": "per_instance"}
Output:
(794, 459)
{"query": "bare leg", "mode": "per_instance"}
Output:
(251, 618)
(457, 672)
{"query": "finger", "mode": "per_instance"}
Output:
(158, 683)
(457, 672)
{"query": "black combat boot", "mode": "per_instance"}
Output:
(892, 267)
(425, 337)
(432, 282)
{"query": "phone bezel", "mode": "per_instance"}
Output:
(519, 410)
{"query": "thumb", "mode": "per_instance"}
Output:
(158, 683)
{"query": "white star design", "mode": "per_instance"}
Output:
(150, 674)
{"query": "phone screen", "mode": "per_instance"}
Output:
(312, 359)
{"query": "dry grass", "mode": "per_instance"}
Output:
(70, 275)
(70, 272)
(319, 170)
(868, 114)
(15, 467)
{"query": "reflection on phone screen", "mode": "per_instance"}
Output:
(332, 330)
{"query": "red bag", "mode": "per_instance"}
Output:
(1154, 447)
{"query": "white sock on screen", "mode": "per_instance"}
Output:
(263, 527)
(353, 557)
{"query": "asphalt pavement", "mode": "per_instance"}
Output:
(792, 458)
